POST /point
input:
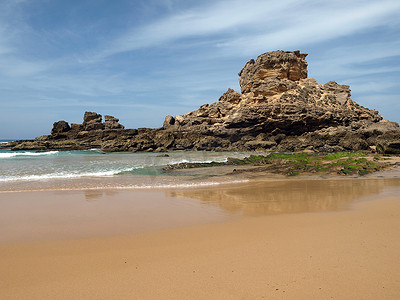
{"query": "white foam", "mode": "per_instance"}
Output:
(139, 186)
(64, 175)
(177, 185)
(219, 160)
(16, 154)
(93, 150)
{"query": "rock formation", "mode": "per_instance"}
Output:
(92, 121)
(278, 109)
(60, 127)
(111, 122)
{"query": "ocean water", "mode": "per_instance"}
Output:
(31, 170)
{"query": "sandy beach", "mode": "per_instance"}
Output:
(283, 239)
(203, 150)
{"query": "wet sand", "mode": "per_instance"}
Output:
(48, 215)
(293, 239)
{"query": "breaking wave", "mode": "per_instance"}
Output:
(64, 175)
(22, 154)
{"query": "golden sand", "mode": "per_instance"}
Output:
(296, 239)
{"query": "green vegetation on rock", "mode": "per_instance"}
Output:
(292, 164)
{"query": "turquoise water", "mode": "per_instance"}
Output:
(30, 170)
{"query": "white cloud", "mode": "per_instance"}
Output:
(253, 26)
(375, 86)
(219, 18)
(307, 27)
(347, 62)
(13, 28)
(358, 54)
(17, 67)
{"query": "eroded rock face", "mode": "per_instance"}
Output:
(92, 121)
(111, 122)
(91, 117)
(278, 109)
(272, 72)
(307, 107)
(60, 127)
(168, 122)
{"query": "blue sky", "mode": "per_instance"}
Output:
(141, 60)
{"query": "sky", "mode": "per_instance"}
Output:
(141, 60)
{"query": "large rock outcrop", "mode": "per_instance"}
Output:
(278, 102)
(279, 109)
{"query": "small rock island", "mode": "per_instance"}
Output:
(278, 109)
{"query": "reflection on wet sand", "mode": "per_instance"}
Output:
(93, 195)
(290, 196)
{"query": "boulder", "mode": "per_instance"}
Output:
(60, 127)
(392, 147)
(379, 128)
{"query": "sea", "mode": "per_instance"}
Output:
(95, 169)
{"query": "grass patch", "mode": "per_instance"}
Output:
(339, 155)
(360, 166)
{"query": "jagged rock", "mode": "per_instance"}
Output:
(60, 127)
(383, 127)
(255, 145)
(111, 122)
(278, 109)
(91, 116)
(168, 122)
(272, 72)
(300, 107)
(41, 138)
(392, 147)
(92, 121)
(230, 96)
(76, 127)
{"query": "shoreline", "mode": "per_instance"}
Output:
(141, 171)
(191, 178)
(261, 195)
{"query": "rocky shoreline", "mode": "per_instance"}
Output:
(279, 109)
(293, 164)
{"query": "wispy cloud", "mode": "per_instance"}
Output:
(356, 63)
(219, 18)
(253, 26)
(315, 25)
